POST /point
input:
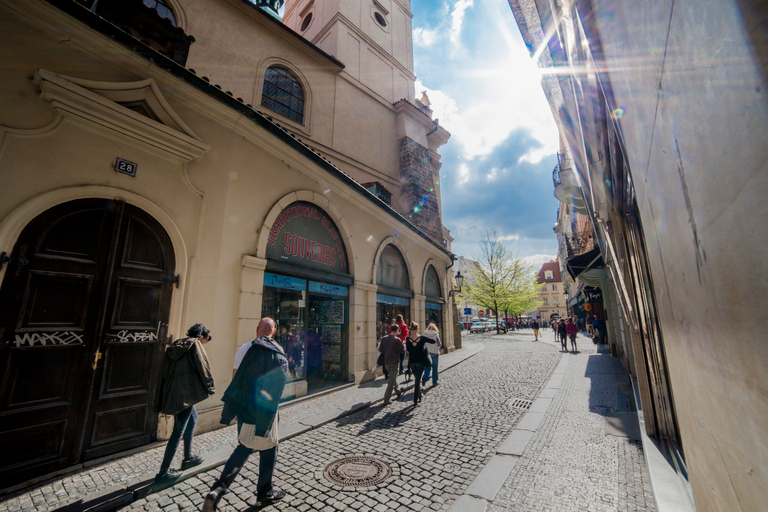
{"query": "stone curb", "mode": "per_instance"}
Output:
(122, 495)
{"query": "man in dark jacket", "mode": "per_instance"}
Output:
(186, 379)
(392, 348)
(259, 376)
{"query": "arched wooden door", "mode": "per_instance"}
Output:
(84, 310)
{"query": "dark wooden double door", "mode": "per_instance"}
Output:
(84, 307)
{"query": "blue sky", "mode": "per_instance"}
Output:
(484, 89)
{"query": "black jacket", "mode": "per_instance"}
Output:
(255, 391)
(417, 353)
(186, 377)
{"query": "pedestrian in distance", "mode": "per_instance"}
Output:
(562, 332)
(535, 327)
(434, 354)
(402, 333)
(185, 379)
(392, 348)
(418, 358)
(590, 325)
(572, 329)
(258, 379)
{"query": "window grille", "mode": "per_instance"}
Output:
(283, 94)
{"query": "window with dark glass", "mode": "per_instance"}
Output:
(305, 23)
(283, 94)
(379, 191)
(162, 9)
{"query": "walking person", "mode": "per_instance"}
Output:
(562, 332)
(402, 333)
(418, 358)
(185, 379)
(434, 354)
(535, 327)
(258, 380)
(392, 348)
(590, 325)
(572, 329)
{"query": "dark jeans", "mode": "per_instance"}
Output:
(417, 370)
(183, 425)
(400, 368)
(267, 463)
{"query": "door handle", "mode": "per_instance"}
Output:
(96, 358)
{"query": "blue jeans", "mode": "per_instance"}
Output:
(432, 370)
(267, 463)
(183, 425)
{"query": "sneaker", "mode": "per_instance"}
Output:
(398, 392)
(191, 462)
(170, 475)
(212, 499)
(271, 497)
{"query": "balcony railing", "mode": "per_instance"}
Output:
(580, 242)
(556, 176)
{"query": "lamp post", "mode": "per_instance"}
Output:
(460, 282)
(566, 295)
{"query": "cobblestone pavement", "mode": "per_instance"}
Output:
(436, 449)
(571, 462)
(141, 465)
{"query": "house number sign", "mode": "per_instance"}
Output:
(125, 167)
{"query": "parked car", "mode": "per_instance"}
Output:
(477, 327)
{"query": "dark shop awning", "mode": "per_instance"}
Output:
(583, 262)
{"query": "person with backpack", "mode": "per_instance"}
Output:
(185, 379)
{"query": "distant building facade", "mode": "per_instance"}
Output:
(550, 292)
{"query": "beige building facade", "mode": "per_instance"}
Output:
(552, 302)
(215, 167)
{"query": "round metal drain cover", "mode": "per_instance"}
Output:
(357, 471)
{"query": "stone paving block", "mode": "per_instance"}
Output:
(516, 442)
(468, 504)
(530, 421)
(492, 477)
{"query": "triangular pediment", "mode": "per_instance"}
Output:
(135, 110)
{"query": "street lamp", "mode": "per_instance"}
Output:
(459, 281)
(566, 295)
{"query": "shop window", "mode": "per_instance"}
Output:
(283, 94)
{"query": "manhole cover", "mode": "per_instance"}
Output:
(357, 471)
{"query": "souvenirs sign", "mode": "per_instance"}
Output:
(304, 234)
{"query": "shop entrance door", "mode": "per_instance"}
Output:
(326, 342)
(86, 298)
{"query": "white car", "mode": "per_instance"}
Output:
(477, 327)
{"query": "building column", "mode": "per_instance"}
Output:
(362, 332)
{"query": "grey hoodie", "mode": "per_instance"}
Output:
(433, 348)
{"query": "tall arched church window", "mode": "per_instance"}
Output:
(284, 94)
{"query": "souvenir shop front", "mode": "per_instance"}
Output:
(306, 292)
(433, 306)
(393, 295)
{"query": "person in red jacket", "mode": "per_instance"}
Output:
(402, 334)
(572, 329)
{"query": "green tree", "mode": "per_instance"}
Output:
(500, 280)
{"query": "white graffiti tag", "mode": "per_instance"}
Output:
(48, 338)
(136, 337)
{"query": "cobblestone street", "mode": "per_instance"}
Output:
(443, 453)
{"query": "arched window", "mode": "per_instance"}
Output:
(162, 9)
(284, 94)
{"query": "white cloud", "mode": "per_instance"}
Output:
(488, 94)
(537, 260)
(457, 18)
(424, 37)
(463, 174)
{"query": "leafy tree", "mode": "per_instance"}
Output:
(500, 280)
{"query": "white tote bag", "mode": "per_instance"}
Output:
(249, 439)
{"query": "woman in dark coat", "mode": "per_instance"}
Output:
(186, 379)
(418, 357)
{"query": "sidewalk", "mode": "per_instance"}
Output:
(117, 482)
(577, 448)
